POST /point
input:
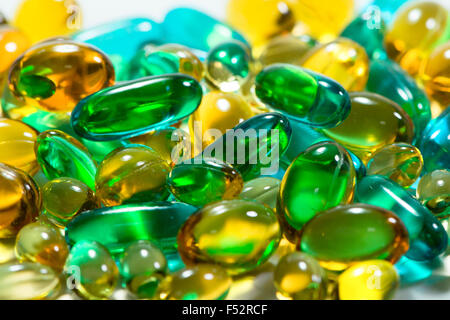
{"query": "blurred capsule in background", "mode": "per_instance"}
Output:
(13, 43)
(434, 192)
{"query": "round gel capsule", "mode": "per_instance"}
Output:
(434, 192)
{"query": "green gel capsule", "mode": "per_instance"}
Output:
(427, 236)
(263, 190)
(302, 94)
(200, 184)
(129, 223)
(148, 103)
(61, 155)
(320, 178)
(344, 235)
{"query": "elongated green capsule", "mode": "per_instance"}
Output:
(428, 237)
(148, 103)
(302, 94)
(200, 184)
(344, 235)
(122, 225)
(61, 155)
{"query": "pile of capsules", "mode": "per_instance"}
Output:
(351, 109)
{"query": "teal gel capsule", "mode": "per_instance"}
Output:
(389, 80)
(306, 96)
(254, 146)
(435, 143)
(197, 30)
(117, 227)
(148, 103)
(428, 237)
(386, 9)
(61, 155)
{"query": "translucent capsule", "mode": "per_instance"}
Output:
(129, 223)
(204, 182)
(143, 267)
(373, 123)
(218, 111)
(203, 35)
(263, 190)
(320, 178)
(342, 60)
(228, 66)
(414, 31)
(61, 18)
(427, 236)
(344, 235)
(13, 43)
(387, 79)
(300, 277)
(434, 192)
(435, 143)
(149, 103)
(27, 281)
(17, 145)
(92, 270)
(302, 94)
(61, 155)
(368, 280)
(42, 243)
(20, 200)
(64, 198)
(131, 174)
(254, 146)
(400, 162)
(56, 75)
(236, 234)
(199, 282)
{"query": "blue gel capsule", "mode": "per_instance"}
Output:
(427, 236)
(197, 30)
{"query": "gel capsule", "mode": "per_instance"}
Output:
(149, 103)
(60, 17)
(202, 183)
(64, 198)
(27, 281)
(302, 94)
(129, 223)
(320, 178)
(428, 237)
(236, 234)
(368, 280)
(60, 155)
(17, 145)
(20, 200)
(56, 75)
(42, 243)
(298, 276)
(373, 123)
(13, 43)
(434, 192)
(344, 235)
(131, 174)
(263, 190)
(199, 282)
(387, 8)
(400, 162)
(342, 60)
(92, 269)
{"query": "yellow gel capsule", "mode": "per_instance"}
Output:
(42, 243)
(368, 280)
(189, 63)
(218, 112)
(434, 192)
(400, 162)
(42, 19)
(20, 200)
(200, 282)
(17, 145)
(342, 60)
(131, 174)
(416, 28)
(13, 43)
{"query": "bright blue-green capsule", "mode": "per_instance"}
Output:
(197, 30)
(386, 9)
(427, 236)
(435, 143)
